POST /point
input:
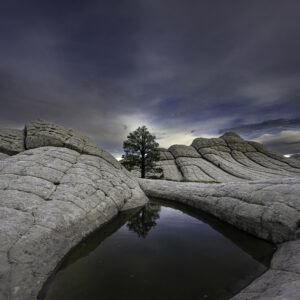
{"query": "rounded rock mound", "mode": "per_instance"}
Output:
(61, 187)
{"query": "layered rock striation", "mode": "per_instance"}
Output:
(11, 141)
(225, 159)
(51, 197)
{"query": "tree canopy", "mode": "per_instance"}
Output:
(141, 150)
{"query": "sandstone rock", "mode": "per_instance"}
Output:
(3, 156)
(235, 142)
(11, 141)
(41, 133)
(50, 198)
(183, 151)
(170, 170)
(226, 159)
(167, 163)
(164, 154)
(263, 149)
(199, 143)
(296, 156)
(268, 209)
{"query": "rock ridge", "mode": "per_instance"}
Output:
(41, 133)
(228, 158)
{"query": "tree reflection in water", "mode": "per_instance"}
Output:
(142, 222)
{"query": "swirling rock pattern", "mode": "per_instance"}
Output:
(225, 159)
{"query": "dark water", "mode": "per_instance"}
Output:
(164, 251)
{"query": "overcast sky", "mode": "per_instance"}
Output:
(184, 68)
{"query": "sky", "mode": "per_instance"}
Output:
(182, 68)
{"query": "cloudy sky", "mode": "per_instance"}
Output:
(183, 68)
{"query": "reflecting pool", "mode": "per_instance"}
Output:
(162, 251)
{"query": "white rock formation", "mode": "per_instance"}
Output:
(268, 209)
(11, 141)
(3, 156)
(225, 159)
(52, 197)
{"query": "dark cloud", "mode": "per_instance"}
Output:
(284, 142)
(281, 135)
(104, 67)
(255, 130)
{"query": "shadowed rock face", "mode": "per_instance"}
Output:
(50, 198)
(296, 156)
(11, 141)
(225, 159)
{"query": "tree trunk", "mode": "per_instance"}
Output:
(143, 169)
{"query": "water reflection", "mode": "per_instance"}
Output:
(163, 251)
(142, 222)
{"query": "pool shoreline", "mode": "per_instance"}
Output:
(227, 231)
(282, 280)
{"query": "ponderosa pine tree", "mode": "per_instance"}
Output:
(141, 150)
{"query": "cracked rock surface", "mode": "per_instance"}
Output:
(268, 209)
(225, 159)
(50, 199)
(42, 133)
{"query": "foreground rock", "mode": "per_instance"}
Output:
(225, 159)
(3, 156)
(269, 209)
(50, 199)
(281, 281)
